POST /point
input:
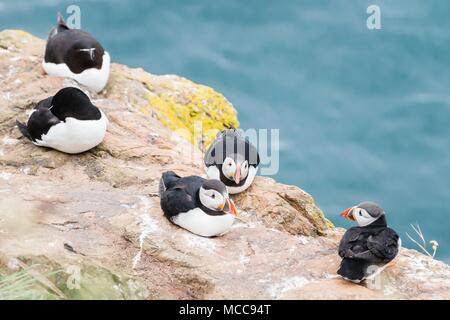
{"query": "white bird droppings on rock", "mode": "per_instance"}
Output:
(303, 239)
(9, 141)
(13, 264)
(286, 284)
(26, 170)
(200, 242)
(5, 176)
(6, 96)
(241, 224)
(244, 259)
(147, 226)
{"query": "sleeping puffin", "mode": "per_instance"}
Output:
(67, 122)
(232, 159)
(198, 205)
(367, 249)
(76, 54)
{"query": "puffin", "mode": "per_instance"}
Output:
(199, 205)
(368, 248)
(78, 55)
(67, 122)
(232, 159)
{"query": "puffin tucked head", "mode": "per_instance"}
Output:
(72, 102)
(213, 194)
(235, 168)
(365, 213)
(84, 54)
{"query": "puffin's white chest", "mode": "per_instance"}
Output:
(202, 224)
(75, 136)
(92, 78)
(213, 173)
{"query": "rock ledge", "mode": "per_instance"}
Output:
(97, 215)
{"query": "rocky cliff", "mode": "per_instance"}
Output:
(90, 226)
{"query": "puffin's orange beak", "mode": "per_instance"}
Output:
(347, 214)
(232, 207)
(237, 174)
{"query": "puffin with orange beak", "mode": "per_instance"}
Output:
(198, 205)
(368, 248)
(232, 159)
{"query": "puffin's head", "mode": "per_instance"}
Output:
(84, 54)
(364, 213)
(214, 195)
(235, 168)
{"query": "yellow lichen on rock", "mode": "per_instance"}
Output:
(184, 106)
(23, 33)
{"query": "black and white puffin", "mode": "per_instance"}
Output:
(67, 122)
(368, 248)
(198, 205)
(232, 159)
(76, 54)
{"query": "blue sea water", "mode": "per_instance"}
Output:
(363, 114)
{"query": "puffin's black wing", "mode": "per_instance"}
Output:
(384, 246)
(46, 103)
(167, 181)
(375, 246)
(349, 242)
(40, 121)
(180, 194)
(353, 243)
(361, 249)
(231, 141)
(176, 201)
(61, 23)
(60, 27)
(210, 154)
(24, 130)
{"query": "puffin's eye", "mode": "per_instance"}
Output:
(229, 164)
(213, 196)
(360, 213)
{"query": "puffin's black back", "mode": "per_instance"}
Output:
(178, 194)
(362, 247)
(63, 44)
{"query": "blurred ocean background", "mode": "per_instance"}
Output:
(363, 115)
